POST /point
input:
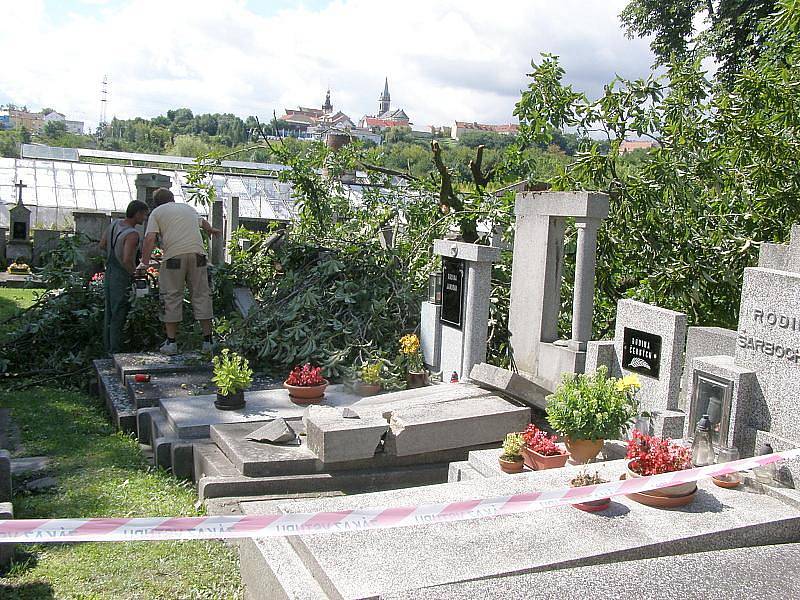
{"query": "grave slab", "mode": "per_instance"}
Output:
(456, 424)
(131, 363)
(515, 385)
(334, 438)
(547, 540)
(192, 417)
(254, 459)
(181, 385)
(111, 390)
(720, 574)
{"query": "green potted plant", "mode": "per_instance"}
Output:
(541, 451)
(411, 360)
(589, 409)
(511, 460)
(369, 382)
(233, 375)
(584, 479)
(306, 385)
(652, 455)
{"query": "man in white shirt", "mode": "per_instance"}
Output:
(184, 262)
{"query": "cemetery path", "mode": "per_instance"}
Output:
(102, 473)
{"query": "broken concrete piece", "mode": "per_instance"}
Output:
(276, 431)
(22, 467)
(456, 424)
(349, 413)
(335, 438)
(41, 485)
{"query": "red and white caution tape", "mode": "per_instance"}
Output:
(192, 528)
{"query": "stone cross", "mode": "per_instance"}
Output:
(19, 187)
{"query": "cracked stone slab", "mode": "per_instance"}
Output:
(336, 438)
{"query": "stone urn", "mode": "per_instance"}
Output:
(582, 451)
(306, 394)
(230, 401)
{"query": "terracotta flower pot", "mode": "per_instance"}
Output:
(306, 394)
(367, 389)
(593, 505)
(671, 491)
(540, 462)
(726, 481)
(582, 451)
(511, 466)
(416, 379)
(230, 401)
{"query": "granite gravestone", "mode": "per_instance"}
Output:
(466, 291)
(19, 245)
(648, 342)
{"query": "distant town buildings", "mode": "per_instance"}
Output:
(14, 118)
(631, 145)
(317, 123)
(385, 117)
(459, 128)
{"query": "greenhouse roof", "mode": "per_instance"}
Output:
(56, 188)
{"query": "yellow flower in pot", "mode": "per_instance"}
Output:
(589, 409)
(511, 460)
(411, 360)
(370, 379)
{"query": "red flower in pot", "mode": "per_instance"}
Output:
(306, 385)
(541, 451)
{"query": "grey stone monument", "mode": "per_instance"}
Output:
(536, 282)
(44, 242)
(648, 341)
(466, 291)
(19, 245)
(147, 183)
(217, 242)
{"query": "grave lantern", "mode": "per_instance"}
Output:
(712, 398)
(703, 445)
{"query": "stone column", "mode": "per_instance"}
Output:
(583, 297)
(231, 221)
(218, 242)
(464, 347)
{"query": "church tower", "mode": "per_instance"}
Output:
(383, 101)
(327, 107)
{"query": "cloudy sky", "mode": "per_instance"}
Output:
(445, 59)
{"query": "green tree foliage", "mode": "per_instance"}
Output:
(54, 129)
(686, 221)
(733, 31)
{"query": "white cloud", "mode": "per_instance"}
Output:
(449, 59)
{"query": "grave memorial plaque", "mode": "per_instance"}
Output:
(452, 292)
(641, 352)
(712, 396)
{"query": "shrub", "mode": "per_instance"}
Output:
(592, 407)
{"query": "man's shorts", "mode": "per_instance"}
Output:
(173, 275)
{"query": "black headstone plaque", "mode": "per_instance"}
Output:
(19, 231)
(452, 291)
(641, 352)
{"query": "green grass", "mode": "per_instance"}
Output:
(102, 473)
(12, 300)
